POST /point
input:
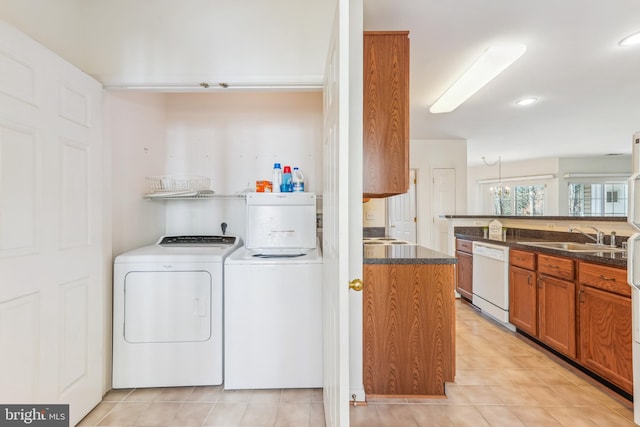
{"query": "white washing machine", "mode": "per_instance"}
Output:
(167, 312)
(273, 297)
(273, 321)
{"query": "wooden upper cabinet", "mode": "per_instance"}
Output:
(386, 113)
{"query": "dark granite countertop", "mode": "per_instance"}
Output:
(543, 218)
(616, 259)
(404, 254)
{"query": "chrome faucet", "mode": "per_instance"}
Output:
(599, 239)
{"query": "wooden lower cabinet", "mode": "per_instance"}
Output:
(557, 314)
(578, 308)
(409, 329)
(523, 300)
(464, 283)
(605, 341)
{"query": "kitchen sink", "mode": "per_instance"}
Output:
(573, 246)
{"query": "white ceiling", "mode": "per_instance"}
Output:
(588, 87)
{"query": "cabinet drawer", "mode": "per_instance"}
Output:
(604, 277)
(522, 259)
(464, 245)
(556, 266)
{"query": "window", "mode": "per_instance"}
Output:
(522, 200)
(598, 199)
(529, 200)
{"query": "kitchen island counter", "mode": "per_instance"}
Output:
(404, 254)
(409, 321)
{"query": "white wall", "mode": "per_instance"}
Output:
(426, 155)
(233, 139)
(601, 164)
(556, 202)
(374, 213)
(511, 170)
(135, 130)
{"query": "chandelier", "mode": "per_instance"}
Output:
(499, 193)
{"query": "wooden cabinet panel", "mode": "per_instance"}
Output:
(557, 314)
(556, 266)
(605, 335)
(523, 300)
(464, 278)
(465, 274)
(409, 329)
(386, 113)
(522, 259)
(604, 277)
(464, 246)
(598, 334)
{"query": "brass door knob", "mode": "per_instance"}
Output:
(356, 285)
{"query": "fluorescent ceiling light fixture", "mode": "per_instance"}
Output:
(595, 175)
(526, 101)
(492, 62)
(631, 40)
(517, 178)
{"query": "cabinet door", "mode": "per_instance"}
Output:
(386, 113)
(605, 335)
(465, 274)
(557, 314)
(523, 301)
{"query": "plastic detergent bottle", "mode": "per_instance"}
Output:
(286, 186)
(298, 180)
(276, 179)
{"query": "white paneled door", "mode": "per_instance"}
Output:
(342, 141)
(51, 229)
(443, 203)
(402, 214)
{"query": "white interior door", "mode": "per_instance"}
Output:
(342, 152)
(402, 214)
(444, 203)
(51, 229)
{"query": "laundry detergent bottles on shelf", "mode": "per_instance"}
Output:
(276, 179)
(297, 180)
(287, 185)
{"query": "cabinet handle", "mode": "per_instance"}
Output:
(552, 266)
(580, 294)
(529, 279)
(539, 283)
(609, 279)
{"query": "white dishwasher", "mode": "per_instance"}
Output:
(491, 281)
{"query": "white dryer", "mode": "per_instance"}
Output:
(167, 312)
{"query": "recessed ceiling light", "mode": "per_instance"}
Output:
(492, 62)
(526, 101)
(631, 40)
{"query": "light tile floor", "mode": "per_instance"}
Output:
(208, 406)
(501, 380)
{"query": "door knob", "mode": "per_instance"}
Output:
(356, 285)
